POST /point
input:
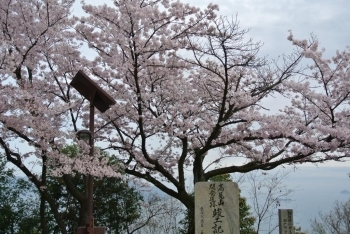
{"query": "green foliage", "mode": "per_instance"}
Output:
(18, 206)
(297, 230)
(221, 178)
(116, 204)
(69, 205)
(246, 219)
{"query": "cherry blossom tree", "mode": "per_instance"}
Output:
(38, 112)
(33, 82)
(187, 84)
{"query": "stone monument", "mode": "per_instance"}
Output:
(216, 208)
(286, 225)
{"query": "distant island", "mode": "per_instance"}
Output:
(345, 192)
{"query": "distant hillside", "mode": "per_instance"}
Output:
(345, 192)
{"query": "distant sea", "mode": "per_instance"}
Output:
(316, 190)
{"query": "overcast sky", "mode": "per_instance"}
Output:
(270, 21)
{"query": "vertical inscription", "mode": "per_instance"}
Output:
(221, 194)
(202, 219)
(216, 208)
(212, 192)
(218, 212)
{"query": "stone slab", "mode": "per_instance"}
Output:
(216, 208)
(286, 224)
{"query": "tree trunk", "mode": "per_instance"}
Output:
(191, 223)
(43, 223)
(198, 172)
(54, 209)
(83, 213)
(81, 197)
(43, 192)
